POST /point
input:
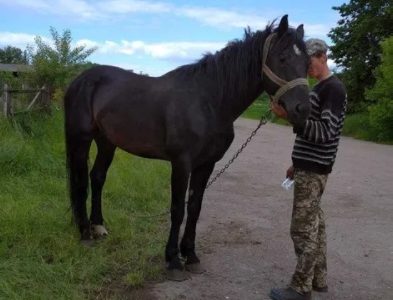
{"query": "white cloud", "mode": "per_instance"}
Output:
(222, 18)
(20, 40)
(183, 50)
(173, 51)
(76, 7)
(86, 42)
(91, 11)
(33, 4)
(111, 9)
(170, 50)
(132, 6)
(332, 64)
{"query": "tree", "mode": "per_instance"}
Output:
(364, 24)
(12, 55)
(381, 114)
(56, 65)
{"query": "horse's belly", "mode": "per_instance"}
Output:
(139, 142)
(141, 148)
(139, 134)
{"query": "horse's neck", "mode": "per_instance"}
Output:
(232, 86)
(233, 104)
(240, 84)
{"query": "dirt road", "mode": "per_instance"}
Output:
(243, 233)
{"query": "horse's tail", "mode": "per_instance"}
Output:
(78, 129)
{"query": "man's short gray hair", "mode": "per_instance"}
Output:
(316, 47)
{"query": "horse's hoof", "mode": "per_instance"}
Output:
(98, 231)
(196, 268)
(176, 275)
(88, 243)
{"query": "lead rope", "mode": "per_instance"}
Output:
(264, 119)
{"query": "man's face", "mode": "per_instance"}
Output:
(317, 65)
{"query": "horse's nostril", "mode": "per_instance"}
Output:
(301, 108)
(298, 108)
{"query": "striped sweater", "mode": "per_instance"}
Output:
(316, 142)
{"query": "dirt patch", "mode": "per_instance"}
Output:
(243, 232)
(230, 233)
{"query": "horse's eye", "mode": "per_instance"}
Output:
(282, 58)
(297, 50)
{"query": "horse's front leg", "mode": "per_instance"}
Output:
(179, 182)
(199, 179)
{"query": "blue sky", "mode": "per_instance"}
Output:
(155, 37)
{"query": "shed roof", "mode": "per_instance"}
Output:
(15, 68)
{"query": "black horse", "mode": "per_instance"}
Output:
(185, 117)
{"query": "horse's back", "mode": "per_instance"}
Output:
(149, 116)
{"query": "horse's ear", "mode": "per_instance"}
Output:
(300, 32)
(283, 27)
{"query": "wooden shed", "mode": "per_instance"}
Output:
(10, 99)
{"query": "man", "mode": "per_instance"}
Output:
(313, 157)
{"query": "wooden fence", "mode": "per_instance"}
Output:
(16, 101)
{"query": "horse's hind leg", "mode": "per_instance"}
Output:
(105, 153)
(78, 153)
(199, 179)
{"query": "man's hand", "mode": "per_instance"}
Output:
(290, 172)
(278, 110)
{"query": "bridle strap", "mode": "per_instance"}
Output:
(266, 48)
(273, 77)
(289, 85)
(284, 86)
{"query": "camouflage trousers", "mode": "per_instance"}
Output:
(308, 231)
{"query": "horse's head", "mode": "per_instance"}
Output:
(285, 63)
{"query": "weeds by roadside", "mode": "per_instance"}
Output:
(40, 253)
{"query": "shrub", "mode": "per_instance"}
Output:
(381, 114)
(381, 118)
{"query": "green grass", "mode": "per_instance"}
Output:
(259, 108)
(355, 125)
(358, 126)
(40, 253)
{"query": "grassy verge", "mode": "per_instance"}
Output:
(355, 125)
(40, 253)
(257, 109)
(358, 126)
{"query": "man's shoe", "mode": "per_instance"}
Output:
(323, 289)
(288, 294)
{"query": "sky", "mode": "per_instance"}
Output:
(155, 37)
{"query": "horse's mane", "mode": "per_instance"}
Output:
(234, 66)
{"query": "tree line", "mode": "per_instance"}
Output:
(362, 49)
(54, 65)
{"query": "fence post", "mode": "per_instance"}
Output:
(44, 96)
(46, 99)
(6, 101)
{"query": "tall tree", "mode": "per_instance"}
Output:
(364, 24)
(12, 55)
(56, 65)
